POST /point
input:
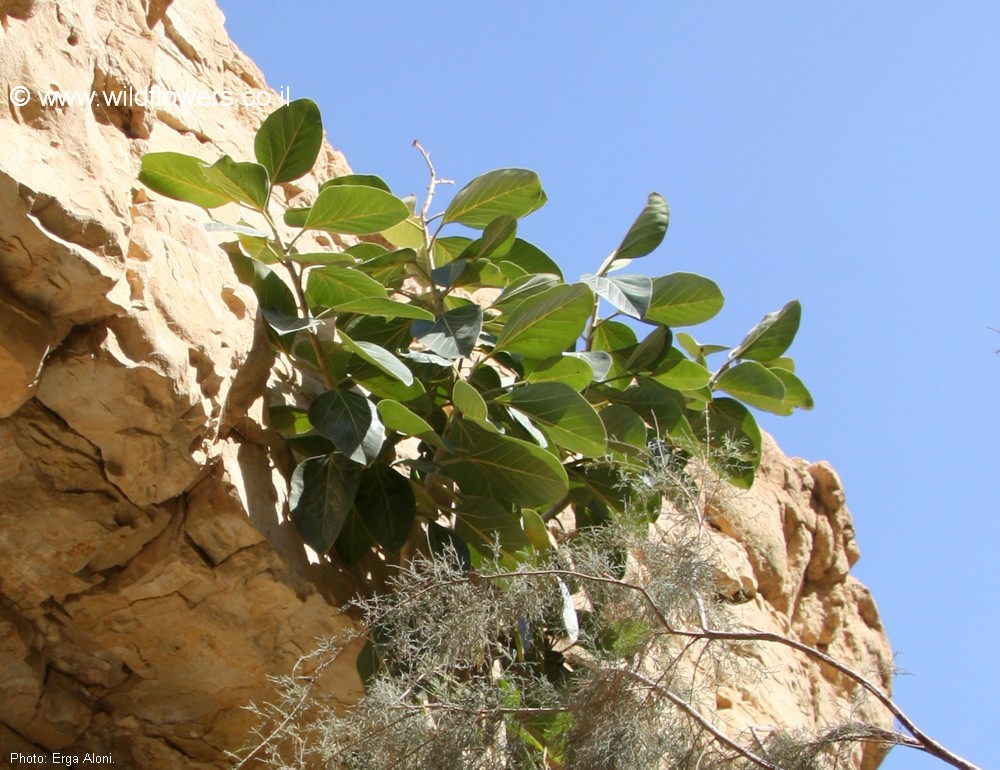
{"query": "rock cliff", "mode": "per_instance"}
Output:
(148, 582)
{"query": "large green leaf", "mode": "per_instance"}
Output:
(626, 430)
(547, 323)
(514, 192)
(532, 259)
(683, 299)
(628, 293)
(405, 234)
(323, 490)
(647, 232)
(355, 210)
(612, 336)
(663, 409)
(356, 180)
(756, 385)
(331, 285)
(729, 429)
(468, 401)
(564, 414)
(386, 505)
(182, 178)
(523, 288)
(351, 422)
(570, 370)
(244, 182)
(288, 141)
(503, 468)
(496, 240)
(386, 308)
(772, 336)
(378, 357)
(354, 541)
(599, 361)
(453, 334)
(679, 372)
(485, 524)
(403, 420)
(796, 393)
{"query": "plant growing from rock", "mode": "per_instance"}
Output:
(470, 397)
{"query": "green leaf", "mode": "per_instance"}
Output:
(612, 336)
(628, 293)
(262, 249)
(647, 232)
(683, 299)
(626, 430)
(535, 530)
(503, 468)
(386, 308)
(378, 357)
(330, 286)
(356, 180)
(496, 240)
(355, 541)
(468, 401)
(323, 490)
(243, 182)
(386, 505)
(648, 352)
(289, 140)
(680, 373)
(755, 384)
(796, 393)
(512, 192)
(662, 409)
(532, 259)
(406, 234)
(565, 415)
(453, 334)
(289, 420)
(351, 422)
(448, 248)
(355, 210)
(600, 362)
(483, 523)
(734, 437)
(182, 178)
(523, 288)
(547, 323)
(446, 544)
(772, 336)
(403, 420)
(296, 217)
(695, 349)
(569, 370)
(340, 259)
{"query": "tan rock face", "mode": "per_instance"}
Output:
(148, 581)
(784, 550)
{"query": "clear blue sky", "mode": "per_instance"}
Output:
(845, 156)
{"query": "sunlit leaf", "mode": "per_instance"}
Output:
(513, 192)
(288, 141)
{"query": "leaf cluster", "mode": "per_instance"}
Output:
(453, 332)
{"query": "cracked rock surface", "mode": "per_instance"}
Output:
(149, 583)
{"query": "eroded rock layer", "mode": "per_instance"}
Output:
(148, 582)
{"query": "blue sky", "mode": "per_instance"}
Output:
(847, 156)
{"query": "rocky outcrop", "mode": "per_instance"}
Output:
(149, 584)
(783, 553)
